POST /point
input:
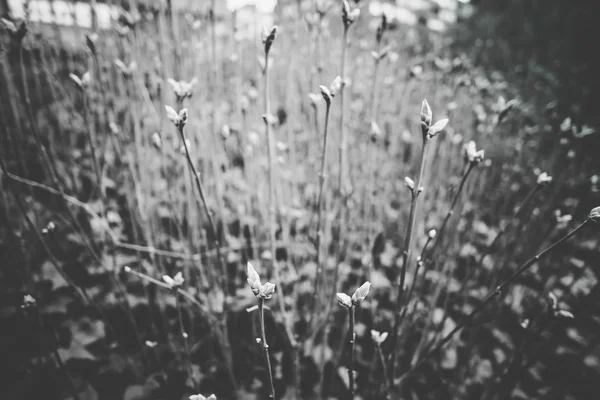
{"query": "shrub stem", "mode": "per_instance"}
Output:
(343, 162)
(272, 201)
(206, 209)
(184, 335)
(384, 367)
(406, 253)
(352, 335)
(264, 345)
(319, 207)
(91, 136)
(440, 233)
(343, 140)
(369, 188)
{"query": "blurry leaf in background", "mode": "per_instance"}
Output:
(50, 273)
(88, 393)
(449, 358)
(75, 351)
(321, 353)
(483, 371)
(379, 281)
(85, 330)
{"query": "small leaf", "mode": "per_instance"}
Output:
(438, 127)
(343, 373)
(564, 314)
(253, 279)
(172, 114)
(361, 293)
(344, 300)
(76, 79)
(326, 94)
(314, 98)
(553, 301)
(586, 130)
(426, 113)
(86, 78)
(566, 124)
(336, 85)
(9, 25)
(120, 64)
(183, 115)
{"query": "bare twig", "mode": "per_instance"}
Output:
(264, 345)
(497, 292)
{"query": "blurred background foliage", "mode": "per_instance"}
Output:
(71, 219)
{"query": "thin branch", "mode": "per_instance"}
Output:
(497, 292)
(264, 345)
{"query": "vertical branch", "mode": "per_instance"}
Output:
(224, 278)
(420, 263)
(317, 128)
(175, 41)
(328, 94)
(213, 113)
(442, 230)
(271, 160)
(352, 303)
(352, 335)
(272, 203)
(264, 345)
(406, 252)
(184, 335)
(213, 45)
(196, 175)
(428, 131)
(369, 187)
(91, 136)
(343, 141)
(319, 208)
(349, 16)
